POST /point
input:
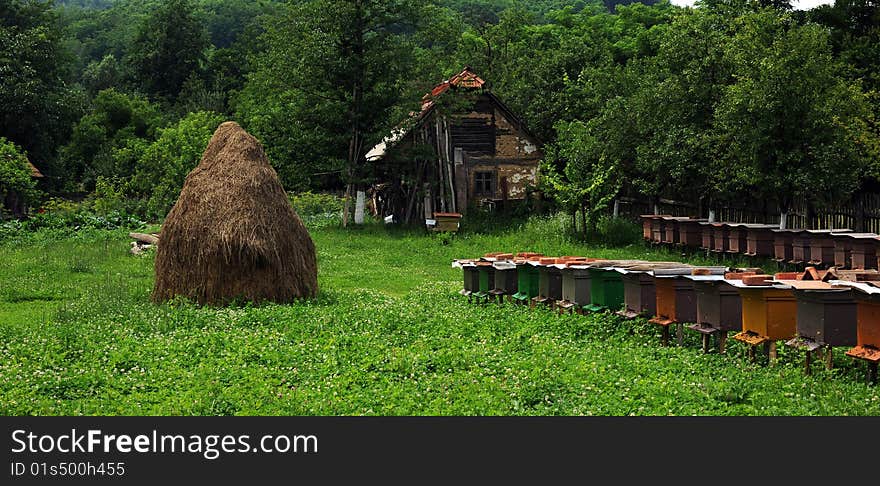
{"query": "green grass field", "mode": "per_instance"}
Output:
(388, 335)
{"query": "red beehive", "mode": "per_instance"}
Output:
(658, 228)
(690, 232)
(822, 246)
(646, 226)
(719, 235)
(800, 247)
(864, 250)
(782, 244)
(707, 239)
(759, 240)
(737, 237)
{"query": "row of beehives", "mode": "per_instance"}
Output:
(842, 248)
(814, 310)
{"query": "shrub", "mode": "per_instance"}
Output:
(166, 162)
(15, 174)
(618, 231)
(317, 209)
(108, 197)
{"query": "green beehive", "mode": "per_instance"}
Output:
(606, 290)
(486, 282)
(526, 282)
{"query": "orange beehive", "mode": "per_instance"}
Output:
(664, 289)
(769, 312)
(867, 326)
(868, 321)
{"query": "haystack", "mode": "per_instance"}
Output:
(232, 235)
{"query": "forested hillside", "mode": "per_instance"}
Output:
(729, 100)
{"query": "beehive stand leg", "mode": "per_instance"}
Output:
(664, 338)
(807, 363)
(751, 354)
(829, 358)
(771, 352)
(872, 373)
(722, 342)
(679, 333)
(706, 343)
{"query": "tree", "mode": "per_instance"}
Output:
(793, 126)
(675, 106)
(168, 49)
(38, 105)
(17, 187)
(334, 69)
(164, 164)
(115, 119)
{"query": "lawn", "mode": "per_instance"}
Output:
(388, 335)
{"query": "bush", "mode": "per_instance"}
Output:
(618, 231)
(316, 209)
(64, 218)
(165, 163)
(15, 174)
(108, 197)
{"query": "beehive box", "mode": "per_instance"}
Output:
(639, 297)
(485, 279)
(675, 299)
(505, 278)
(800, 247)
(549, 282)
(471, 278)
(825, 315)
(759, 240)
(737, 238)
(672, 234)
(658, 228)
(690, 233)
(527, 280)
(867, 297)
(822, 246)
(842, 250)
(447, 222)
(707, 239)
(769, 312)
(646, 226)
(576, 285)
(720, 232)
(606, 289)
(782, 244)
(864, 250)
(719, 306)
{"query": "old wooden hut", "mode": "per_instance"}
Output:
(464, 148)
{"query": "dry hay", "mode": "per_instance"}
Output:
(233, 235)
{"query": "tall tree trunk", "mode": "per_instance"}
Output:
(584, 218)
(355, 145)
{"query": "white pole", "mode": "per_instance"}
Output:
(359, 208)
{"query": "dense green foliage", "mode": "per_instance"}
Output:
(15, 174)
(38, 102)
(388, 335)
(730, 100)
